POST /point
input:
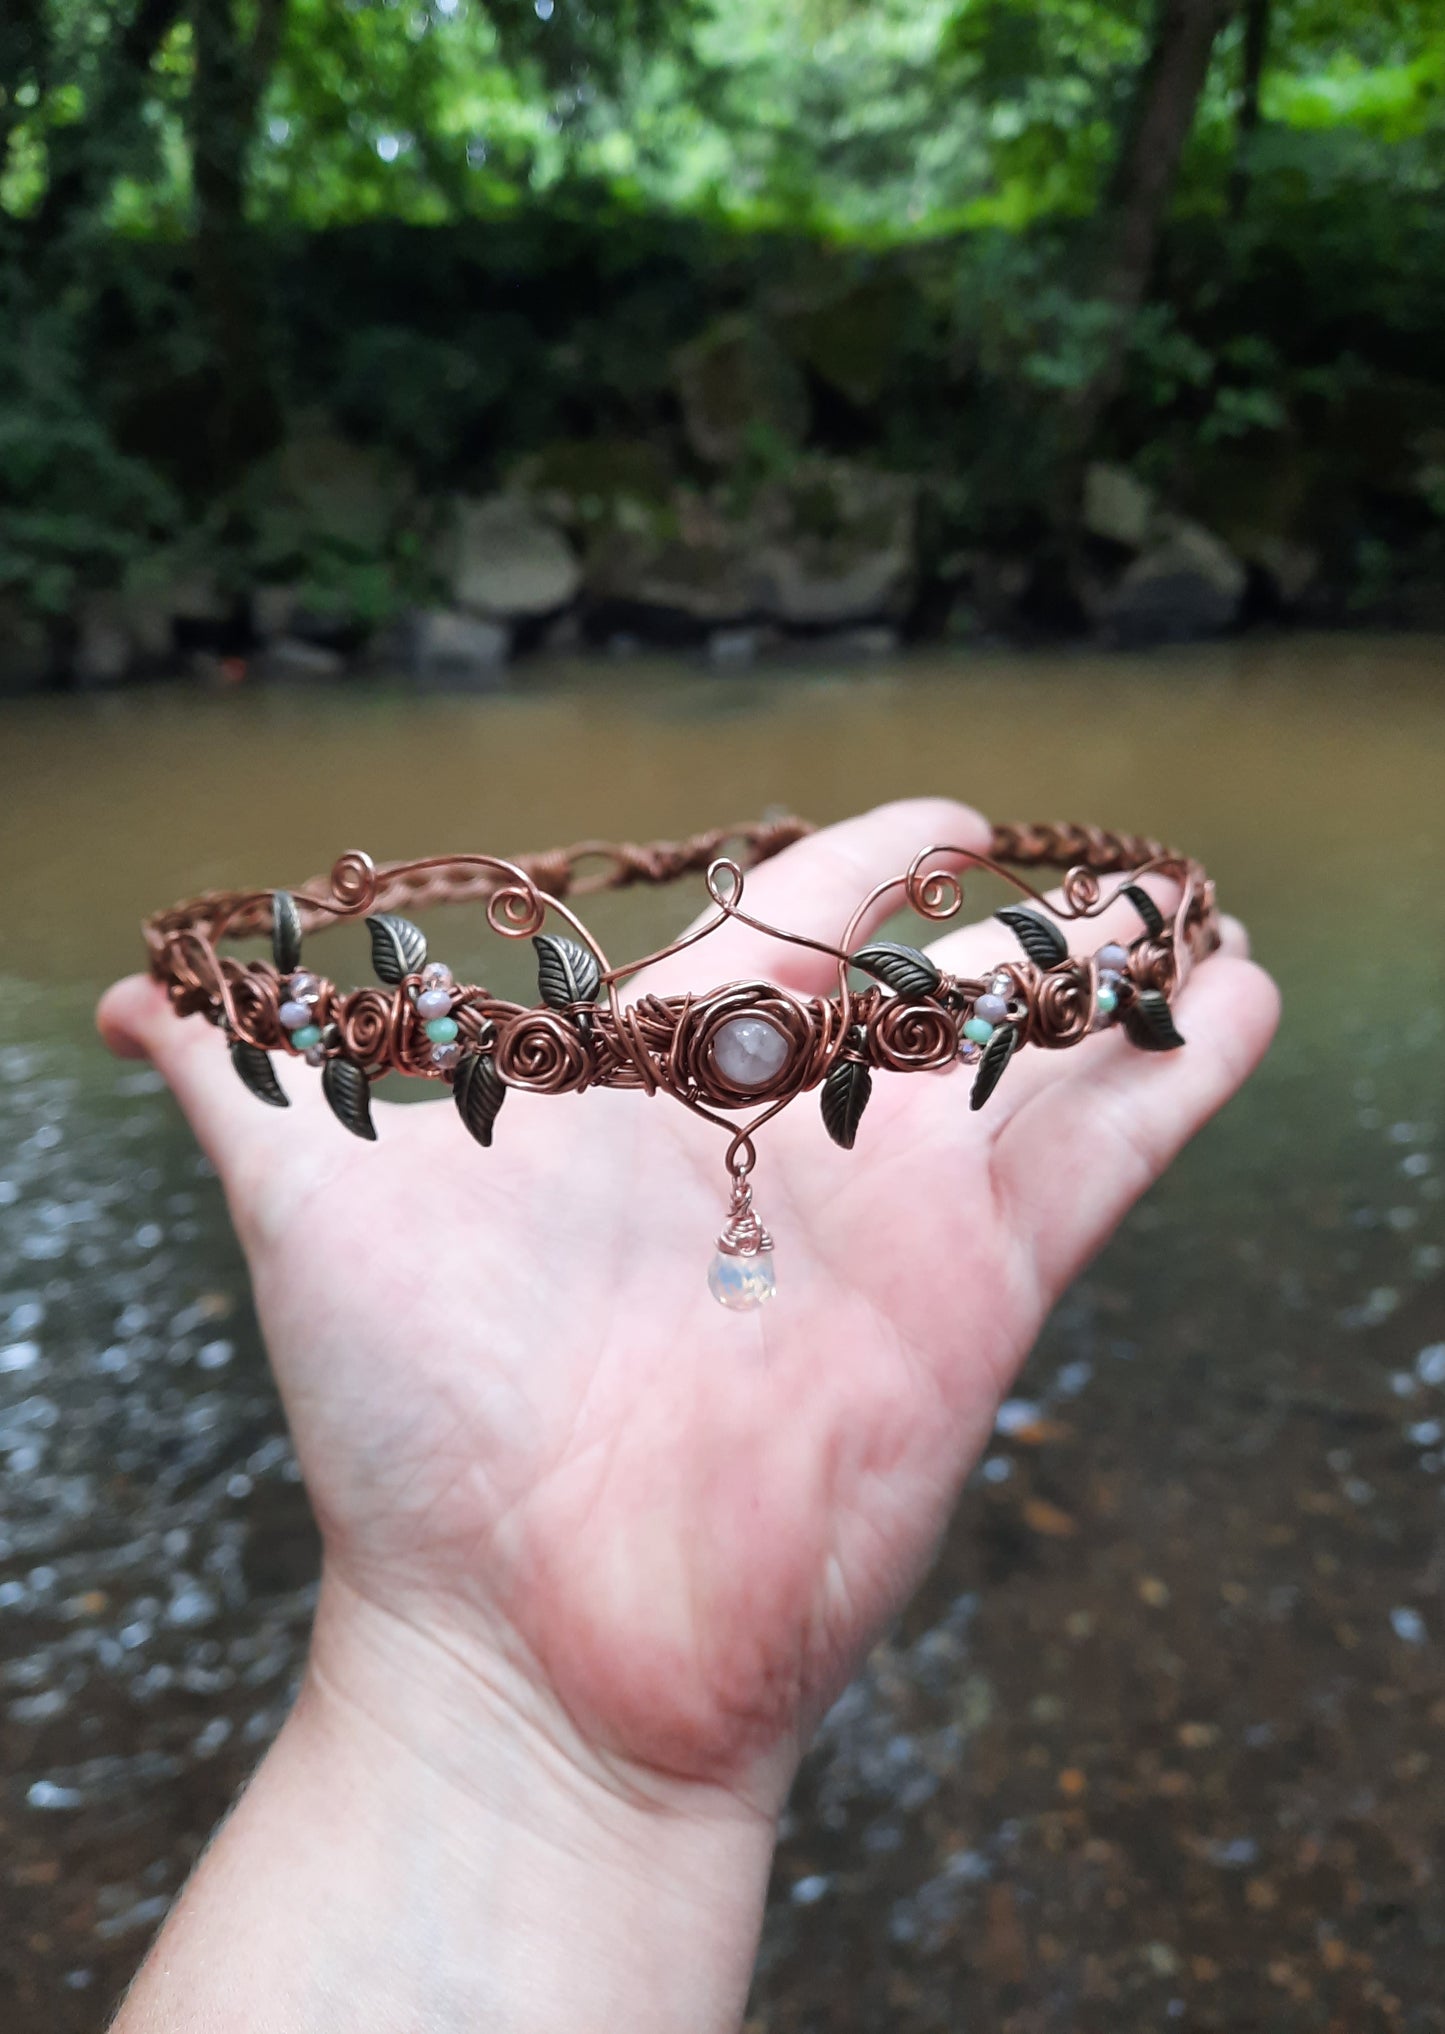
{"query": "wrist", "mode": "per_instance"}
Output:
(420, 1850)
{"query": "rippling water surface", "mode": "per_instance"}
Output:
(1162, 1742)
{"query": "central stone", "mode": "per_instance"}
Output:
(749, 1051)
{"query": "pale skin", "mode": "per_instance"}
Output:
(597, 1553)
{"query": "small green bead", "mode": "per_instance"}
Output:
(1108, 1001)
(441, 1030)
(978, 1029)
(307, 1036)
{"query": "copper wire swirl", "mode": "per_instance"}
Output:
(669, 1042)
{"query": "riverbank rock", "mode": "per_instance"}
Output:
(736, 385)
(462, 651)
(507, 561)
(836, 545)
(104, 649)
(1187, 585)
(1117, 507)
(329, 489)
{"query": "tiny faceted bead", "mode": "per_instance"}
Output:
(446, 1055)
(993, 1009)
(433, 1003)
(1109, 978)
(436, 975)
(306, 1037)
(1113, 956)
(441, 1030)
(315, 1056)
(304, 987)
(742, 1283)
(294, 1015)
(978, 1029)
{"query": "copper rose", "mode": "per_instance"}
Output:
(366, 1026)
(543, 1051)
(1059, 1006)
(908, 1037)
(801, 1028)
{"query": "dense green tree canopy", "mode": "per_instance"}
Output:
(994, 236)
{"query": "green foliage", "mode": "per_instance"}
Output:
(460, 232)
(76, 511)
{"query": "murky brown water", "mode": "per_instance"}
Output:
(1163, 1741)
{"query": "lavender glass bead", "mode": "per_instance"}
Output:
(433, 1003)
(294, 1015)
(749, 1051)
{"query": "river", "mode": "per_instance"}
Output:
(1162, 1741)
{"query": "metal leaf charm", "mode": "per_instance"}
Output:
(903, 968)
(398, 948)
(479, 1092)
(996, 1056)
(566, 972)
(1147, 909)
(845, 1097)
(348, 1090)
(1149, 1022)
(285, 932)
(255, 1068)
(1041, 940)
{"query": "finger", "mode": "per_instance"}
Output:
(973, 951)
(813, 888)
(238, 1133)
(1069, 1164)
(1032, 1071)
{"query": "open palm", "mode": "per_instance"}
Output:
(530, 1433)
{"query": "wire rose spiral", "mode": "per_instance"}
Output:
(539, 1050)
(906, 1037)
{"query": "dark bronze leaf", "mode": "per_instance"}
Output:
(398, 948)
(1041, 940)
(285, 932)
(255, 1068)
(479, 1092)
(996, 1056)
(348, 1090)
(903, 968)
(1147, 909)
(1149, 1022)
(845, 1097)
(566, 972)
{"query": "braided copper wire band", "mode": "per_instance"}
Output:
(668, 1042)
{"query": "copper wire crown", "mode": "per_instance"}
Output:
(750, 1045)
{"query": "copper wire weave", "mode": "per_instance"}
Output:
(666, 1042)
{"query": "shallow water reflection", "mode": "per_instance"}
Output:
(1163, 1740)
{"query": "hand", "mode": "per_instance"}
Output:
(649, 1537)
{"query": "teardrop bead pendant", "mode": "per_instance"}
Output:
(740, 1276)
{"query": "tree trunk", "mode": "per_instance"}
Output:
(87, 155)
(1256, 51)
(230, 76)
(1165, 101)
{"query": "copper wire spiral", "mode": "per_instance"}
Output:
(668, 1042)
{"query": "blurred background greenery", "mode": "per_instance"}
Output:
(332, 328)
